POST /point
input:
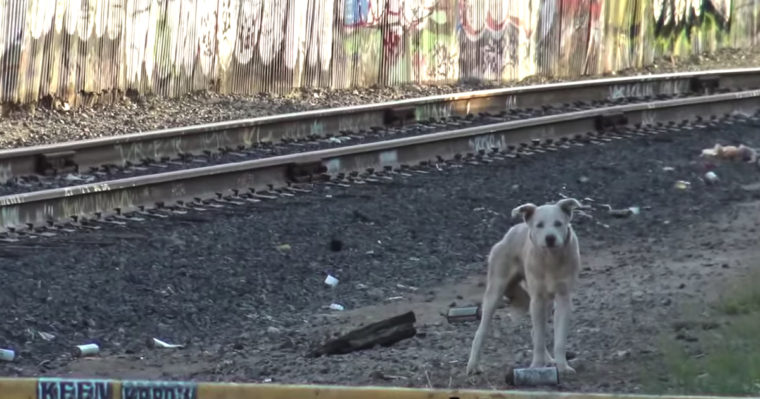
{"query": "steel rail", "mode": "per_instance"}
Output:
(124, 195)
(168, 143)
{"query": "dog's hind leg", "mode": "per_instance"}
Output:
(518, 297)
(494, 290)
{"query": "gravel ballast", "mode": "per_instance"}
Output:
(42, 125)
(243, 287)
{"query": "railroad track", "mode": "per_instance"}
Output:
(204, 141)
(397, 148)
(21, 184)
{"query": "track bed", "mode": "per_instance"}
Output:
(249, 308)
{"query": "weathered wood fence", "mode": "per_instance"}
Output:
(74, 50)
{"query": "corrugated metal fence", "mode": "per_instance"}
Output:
(75, 50)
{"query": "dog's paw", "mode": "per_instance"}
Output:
(537, 364)
(565, 369)
(549, 359)
(473, 369)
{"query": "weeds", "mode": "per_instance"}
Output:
(724, 360)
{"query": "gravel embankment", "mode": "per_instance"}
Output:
(249, 306)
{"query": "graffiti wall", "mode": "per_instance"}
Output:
(75, 50)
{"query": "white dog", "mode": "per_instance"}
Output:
(543, 250)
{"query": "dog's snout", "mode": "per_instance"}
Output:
(551, 240)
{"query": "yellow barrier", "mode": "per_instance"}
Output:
(57, 388)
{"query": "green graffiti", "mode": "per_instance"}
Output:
(362, 40)
(163, 44)
(428, 42)
(439, 17)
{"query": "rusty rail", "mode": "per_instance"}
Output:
(162, 144)
(124, 195)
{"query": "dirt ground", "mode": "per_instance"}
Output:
(43, 125)
(249, 308)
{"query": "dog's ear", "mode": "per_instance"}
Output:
(526, 210)
(567, 205)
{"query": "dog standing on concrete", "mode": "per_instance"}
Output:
(543, 251)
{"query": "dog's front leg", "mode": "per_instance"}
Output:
(549, 358)
(562, 309)
(538, 319)
(494, 290)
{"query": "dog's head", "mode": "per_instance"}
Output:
(549, 224)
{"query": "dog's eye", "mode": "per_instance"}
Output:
(540, 225)
(557, 224)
